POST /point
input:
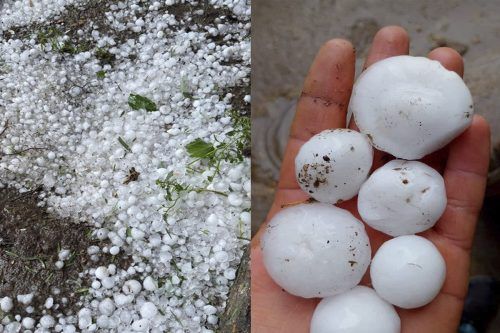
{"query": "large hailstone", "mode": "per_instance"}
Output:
(333, 164)
(402, 198)
(411, 106)
(408, 271)
(359, 310)
(315, 250)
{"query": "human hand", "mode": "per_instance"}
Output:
(463, 163)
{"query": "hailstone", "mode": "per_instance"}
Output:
(408, 271)
(359, 310)
(333, 164)
(402, 198)
(315, 250)
(411, 106)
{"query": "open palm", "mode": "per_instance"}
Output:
(463, 163)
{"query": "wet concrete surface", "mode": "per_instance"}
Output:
(287, 34)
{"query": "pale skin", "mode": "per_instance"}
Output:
(463, 164)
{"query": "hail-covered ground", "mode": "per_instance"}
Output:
(129, 117)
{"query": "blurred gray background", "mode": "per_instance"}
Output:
(286, 35)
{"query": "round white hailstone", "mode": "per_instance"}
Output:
(69, 329)
(108, 282)
(47, 321)
(114, 250)
(411, 106)
(106, 307)
(102, 322)
(6, 304)
(59, 264)
(121, 299)
(49, 302)
(333, 164)
(84, 318)
(315, 250)
(359, 310)
(209, 309)
(148, 310)
(212, 320)
(64, 254)
(402, 198)
(131, 287)
(408, 271)
(28, 323)
(140, 325)
(234, 199)
(101, 272)
(149, 284)
(230, 274)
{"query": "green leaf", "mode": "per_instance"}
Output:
(200, 149)
(138, 102)
(101, 74)
(124, 144)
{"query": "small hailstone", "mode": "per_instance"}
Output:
(25, 299)
(64, 254)
(84, 318)
(137, 234)
(175, 279)
(69, 329)
(102, 234)
(212, 320)
(140, 325)
(131, 287)
(28, 323)
(148, 310)
(121, 299)
(49, 302)
(234, 199)
(108, 282)
(51, 155)
(149, 284)
(114, 250)
(230, 274)
(47, 321)
(101, 272)
(96, 284)
(107, 307)
(209, 309)
(59, 264)
(102, 322)
(6, 304)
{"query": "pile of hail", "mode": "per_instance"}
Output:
(129, 117)
(408, 107)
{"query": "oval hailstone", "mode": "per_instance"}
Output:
(359, 310)
(315, 250)
(410, 106)
(408, 271)
(333, 164)
(402, 198)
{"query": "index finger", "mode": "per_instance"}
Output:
(323, 102)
